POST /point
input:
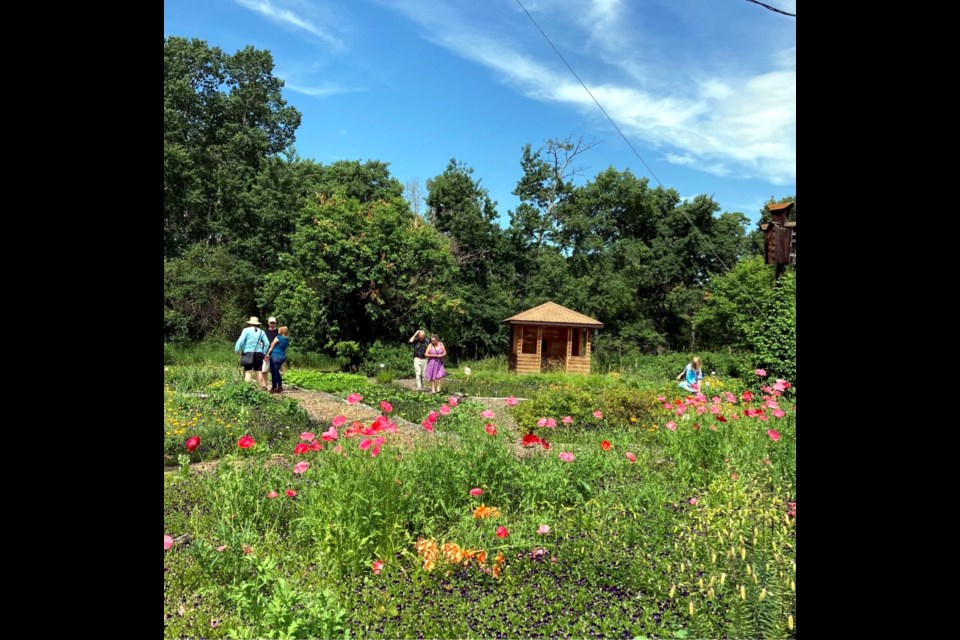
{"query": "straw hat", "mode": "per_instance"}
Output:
(254, 320)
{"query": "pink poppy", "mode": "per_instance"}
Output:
(386, 406)
(543, 529)
(300, 467)
(761, 372)
(632, 458)
(598, 414)
(511, 401)
(316, 446)
(377, 567)
(272, 495)
(476, 491)
(445, 409)
(566, 420)
(221, 548)
(246, 442)
(338, 449)
(566, 456)
(774, 435)
(551, 423)
(667, 406)
(427, 425)
(694, 501)
(432, 416)
(167, 542)
(354, 398)
(306, 435)
(329, 434)
(735, 476)
(452, 401)
(747, 396)
(291, 493)
(192, 443)
(732, 399)
(502, 532)
(365, 444)
(661, 398)
(778, 413)
(492, 430)
(339, 420)
(302, 447)
(542, 422)
(375, 451)
(672, 426)
(486, 413)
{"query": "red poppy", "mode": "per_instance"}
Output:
(246, 442)
(302, 447)
(605, 445)
(193, 443)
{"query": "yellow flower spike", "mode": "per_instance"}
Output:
(755, 581)
(730, 554)
(749, 570)
(763, 594)
(681, 567)
(790, 622)
(673, 591)
(743, 553)
(793, 586)
(743, 592)
(713, 557)
(711, 594)
(691, 607)
(713, 580)
(723, 578)
(700, 582)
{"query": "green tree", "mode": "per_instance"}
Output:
(749, 308)
(360, 271)
(223, 117)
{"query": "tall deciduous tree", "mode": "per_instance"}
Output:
(223, 117)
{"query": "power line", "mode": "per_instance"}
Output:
(774, 9)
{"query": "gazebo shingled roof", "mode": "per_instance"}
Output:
(551, 313)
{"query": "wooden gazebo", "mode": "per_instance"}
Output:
(550, 338)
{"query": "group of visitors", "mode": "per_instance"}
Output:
(263, 350)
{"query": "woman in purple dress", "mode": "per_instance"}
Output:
(436, 352)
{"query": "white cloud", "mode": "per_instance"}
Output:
(321, 91)
(282, 11)
(738, 123)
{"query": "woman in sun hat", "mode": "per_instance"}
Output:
(252, 345)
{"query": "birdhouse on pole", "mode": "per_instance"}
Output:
(780, 235)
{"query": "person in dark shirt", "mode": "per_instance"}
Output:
(271, 332)
(419, 342)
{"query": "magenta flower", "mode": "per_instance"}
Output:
(291, 493)
(511, 401)
(315, 446)
(543, 530)
(452, 400)
(329, 435)
(476, 491)
(551, 423)
(774, 435)
(566, 420)
(377, 567)
(246, 442)
(502, 532)
(365, 444)
(632, 458)
(302, 447)
(375, 451)
(192, 443)
(491, 429)
(747, 396)
(272, 495)
(300, 467)
(167, 542)
(445, 409)
(427, 425)
(761, 372)
(486, 413)
(354, 398)
(339, 420)
(694, 501)
(598, 414)
(672, 426)
(566, 456)
(386, 406)
(778, 413)
(308, 436)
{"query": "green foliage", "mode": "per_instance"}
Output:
(396, 360)
(356, 269)
(756, 311)
(326, 382)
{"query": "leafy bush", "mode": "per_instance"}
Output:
(396, 358)
(327, 382)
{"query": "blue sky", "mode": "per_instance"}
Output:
(705, 90)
